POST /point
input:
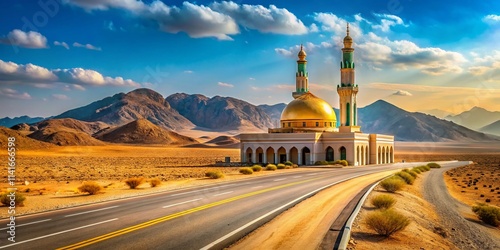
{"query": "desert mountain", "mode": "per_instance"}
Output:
(273, 111)
(223, 140)
(385, 118)
(123, 108)
(220, 113)
(143, 131)
(475, 118)
(9, 122)
(493, 128)
(66, 132)
(441, 114)
(22, 141)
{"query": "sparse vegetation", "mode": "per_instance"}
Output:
(281, 166)
(271, 167)
(406, 177)
(18, 200)
(342, 162)
(154, 182)
(256, 168)
(488, 214)
(383, 201)
(433, 165)
(295, 166)
(386, 222)
(393, 184)
(214, 174)
(416, 170)
(90, 187)
(321, 163)
(246, 170)
(288, 163)
(134, 182)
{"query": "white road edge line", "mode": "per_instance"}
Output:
(195, 191)
(53, 234)
(223, 193)
(227, 236)
(91, 211)
(34, 222)
(280, 179)
(180, 203)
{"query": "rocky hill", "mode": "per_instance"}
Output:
(220, 113)
(385, 118)
(22, 141)
(123, 108)
(273, 111)
(9, 122)
(493, 128)
(68, 132)
(143, 131)
(476, 118)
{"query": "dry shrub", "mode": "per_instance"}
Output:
(246, 171)
(408, 178)
(416, 170)
(134, 182)
(214, 174)
(295, 166)
(281, 166)
(433, 165)
(18, 200)
(383, 201)
(256, 168)
(321, 163)
(288, 163)
(392, 184)
(386, 222)
(154, 182)
(90, 187)
(488, 214)
(271, 167)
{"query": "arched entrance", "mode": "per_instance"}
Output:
(281, 155)
(358, 156)
(259, 153)
(270, 155)
(294, 155)
(329, 154)
(306, 156)
(343, 153)
(248, 155)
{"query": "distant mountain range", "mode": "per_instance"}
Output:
(145, 116)
(9, 122)
(479, 119)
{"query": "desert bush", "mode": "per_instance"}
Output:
(295, 166)
(321, 163)
(19, 199)
(383, 201)
(424, 168)
(90, 187)
(288, 163)
(134, 182)
(386, 222)
(246, 171)
(433, 165)
(271, 167)
(256, 168)
(416, 170)
(154, 182)
(392, 184)
(281, 166)
(214, 174)
(406, 177)
(488, 214)
(413, 173)
(331, 163)
(343, 163)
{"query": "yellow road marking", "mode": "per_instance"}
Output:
(173, 216)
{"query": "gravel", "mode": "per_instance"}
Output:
(463, 233)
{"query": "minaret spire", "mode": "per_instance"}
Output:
(301, 77)
(347, 29)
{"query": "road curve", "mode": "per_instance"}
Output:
(465, 234)
(210, 217)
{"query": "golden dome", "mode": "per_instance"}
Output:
(302, 54)
(308, 107)
(347, 39)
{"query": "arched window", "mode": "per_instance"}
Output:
(348, 110)
(355, 111)
(303, 124)
(317, 124)
(329, 154)
(343, 153)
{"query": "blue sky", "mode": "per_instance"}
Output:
(420, 55)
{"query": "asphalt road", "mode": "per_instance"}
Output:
(207, 217)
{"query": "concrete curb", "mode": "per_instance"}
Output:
(346, 233)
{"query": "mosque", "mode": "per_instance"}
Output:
(308, 129)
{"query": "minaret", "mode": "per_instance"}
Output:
(348, 89)
(301, 77)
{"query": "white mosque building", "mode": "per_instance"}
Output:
(308, 126)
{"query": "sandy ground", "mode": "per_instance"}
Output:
(304, 226)
(424, 232)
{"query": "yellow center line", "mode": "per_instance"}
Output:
(175, 215)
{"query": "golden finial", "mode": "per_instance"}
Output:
(301, 46)
(348, 29)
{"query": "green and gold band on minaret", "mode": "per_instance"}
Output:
(301, 77)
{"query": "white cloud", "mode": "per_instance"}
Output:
(309, 48)
(283, 52)
(188, 71)
(14, 94)
(60, 97)
(223, 84)
(63, 44)
(87, 46)
(313, 28)
(258, 17)
(386, 21)
(402, 93)
(251, 78)
(492, 18)
(31, 39)
(12, 73)
(132, 5)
